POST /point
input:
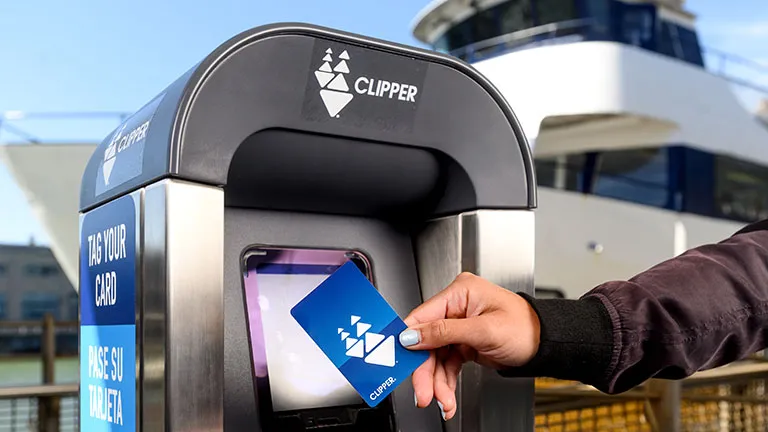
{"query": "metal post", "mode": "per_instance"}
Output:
(48, 406)
(13, 415)
(666, 407)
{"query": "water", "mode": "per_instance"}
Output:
(24, 371)
(28, 370)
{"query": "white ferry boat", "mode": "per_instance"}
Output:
(641, 151)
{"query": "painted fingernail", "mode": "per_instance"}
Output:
(442, 413)
(409, 337)
(415, 400)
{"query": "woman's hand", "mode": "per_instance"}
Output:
(470, 320)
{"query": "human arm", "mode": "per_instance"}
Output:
(702, 309)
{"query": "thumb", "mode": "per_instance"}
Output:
(439, 333)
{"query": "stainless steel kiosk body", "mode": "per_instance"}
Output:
(293, 136)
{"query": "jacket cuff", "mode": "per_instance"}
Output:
(576, 341)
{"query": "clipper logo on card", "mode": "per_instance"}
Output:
(382, 354)
(357, 330)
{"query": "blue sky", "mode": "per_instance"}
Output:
(95, 55)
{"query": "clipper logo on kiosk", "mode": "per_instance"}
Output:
(363, 87)
(357, 329)
(124, 153)
(336, 93)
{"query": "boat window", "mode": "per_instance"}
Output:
(552, 11)
(696, 174)
(35, 305)
(561, 172)
(679, 42)
(545, 172)
(637, 175)
(667, 43)
(515, 16)
(676, 178)
(689, 41)
(741, 189)
(599, 13)
(41, 270)
(3, 307)
(638, 25)
(459, 35)
(485, 25)
(501, 19)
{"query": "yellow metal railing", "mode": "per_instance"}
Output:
(728, 399)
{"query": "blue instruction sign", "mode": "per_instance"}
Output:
(108, 318)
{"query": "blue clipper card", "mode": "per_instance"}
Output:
(358, 330)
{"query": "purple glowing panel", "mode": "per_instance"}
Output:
(286, 362)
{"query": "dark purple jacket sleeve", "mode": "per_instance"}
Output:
(703, 309)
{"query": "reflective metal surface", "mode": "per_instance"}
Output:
(394, 273)
(154, 309)
(183, 307)
(497, 245)
(138, 200)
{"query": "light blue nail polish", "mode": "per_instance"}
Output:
(442, 413)
(409, 338)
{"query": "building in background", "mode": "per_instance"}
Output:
(33, 284)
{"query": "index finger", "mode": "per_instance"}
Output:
(431, 310)
(438, 306)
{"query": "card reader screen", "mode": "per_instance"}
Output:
(287, 363)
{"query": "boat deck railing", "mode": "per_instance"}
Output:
(49, 408)
(556, 33)
(740, 71)
(730, 398)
